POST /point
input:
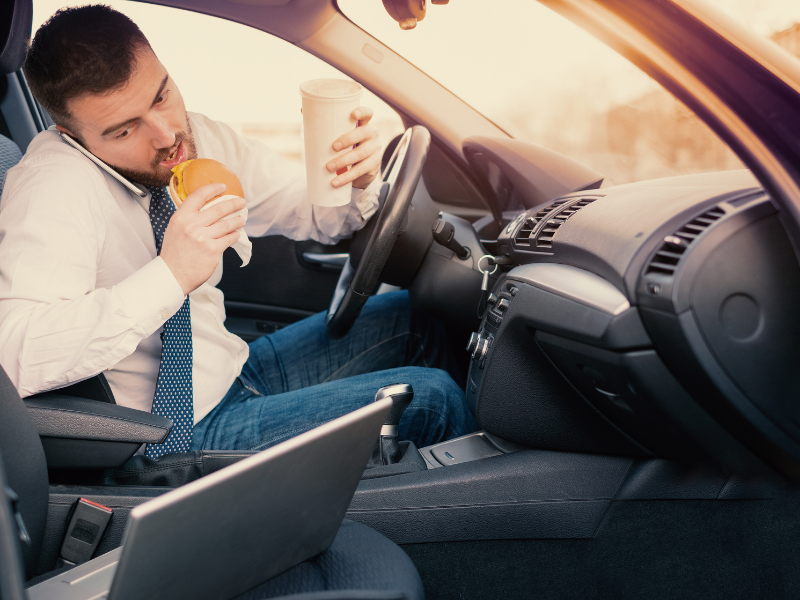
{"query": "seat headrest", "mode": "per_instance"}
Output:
(16, 20)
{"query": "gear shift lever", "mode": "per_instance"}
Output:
(387, 449)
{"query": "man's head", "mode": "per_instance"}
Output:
(94, 71)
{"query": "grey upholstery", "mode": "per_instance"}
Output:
(26, 470)
(12, 572)
(10, 155)
(359, 559)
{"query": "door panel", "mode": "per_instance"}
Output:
(279, 286)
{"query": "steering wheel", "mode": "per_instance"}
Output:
(400, 178)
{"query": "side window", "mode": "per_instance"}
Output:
(244, 77)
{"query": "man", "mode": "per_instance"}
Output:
(94, 279)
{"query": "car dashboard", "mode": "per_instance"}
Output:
(652, 319)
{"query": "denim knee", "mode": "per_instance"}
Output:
(441, 389)
(439, 411)
(459, 418)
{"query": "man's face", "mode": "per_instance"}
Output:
(142, 129)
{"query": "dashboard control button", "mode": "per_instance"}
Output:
(491, 299)
(473, 342)
(503, 305)
(513, 290)
(481, 350)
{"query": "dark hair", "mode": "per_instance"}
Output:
(90, 49)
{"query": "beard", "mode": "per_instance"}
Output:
(159, 176)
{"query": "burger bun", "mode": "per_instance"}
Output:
(200, 172)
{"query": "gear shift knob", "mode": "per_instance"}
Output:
(401, 394)
(387, 449)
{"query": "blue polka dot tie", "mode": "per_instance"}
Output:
(173, 397)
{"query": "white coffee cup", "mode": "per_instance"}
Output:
(328, 105)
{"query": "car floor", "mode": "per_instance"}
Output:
(643, 549)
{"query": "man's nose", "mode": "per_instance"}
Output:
(163, 136)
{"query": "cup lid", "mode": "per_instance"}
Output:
(330, 89)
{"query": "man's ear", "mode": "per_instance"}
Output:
(63, 129)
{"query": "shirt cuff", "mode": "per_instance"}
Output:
(366, 200)
(151, 295)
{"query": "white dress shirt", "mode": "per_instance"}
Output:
(83, 292)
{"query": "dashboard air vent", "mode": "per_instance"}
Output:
(545, 237)
(666, 259)
(522, 237)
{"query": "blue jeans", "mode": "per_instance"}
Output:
(297, 378)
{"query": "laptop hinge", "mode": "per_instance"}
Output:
(87, 524)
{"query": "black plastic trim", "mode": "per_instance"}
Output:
(76, 418)
(531, 494)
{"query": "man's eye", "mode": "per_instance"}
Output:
(162, 97)
(124, 133)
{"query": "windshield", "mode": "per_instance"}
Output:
(545, 80)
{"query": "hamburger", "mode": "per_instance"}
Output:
(192, 174)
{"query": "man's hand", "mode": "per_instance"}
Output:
(194, 241)
(364, 159)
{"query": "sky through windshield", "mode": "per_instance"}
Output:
(547, 81)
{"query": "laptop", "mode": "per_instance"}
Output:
(224, 534)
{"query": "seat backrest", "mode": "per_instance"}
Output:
(23, 455)
(16, 20)
(12, 580)
(26, 467)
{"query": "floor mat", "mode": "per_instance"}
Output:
(644, 549)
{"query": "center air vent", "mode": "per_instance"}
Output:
(665, 261)
(544, 239)
(522, 237)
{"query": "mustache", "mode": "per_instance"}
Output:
(165, 153)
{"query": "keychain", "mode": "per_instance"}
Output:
(485, 283)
